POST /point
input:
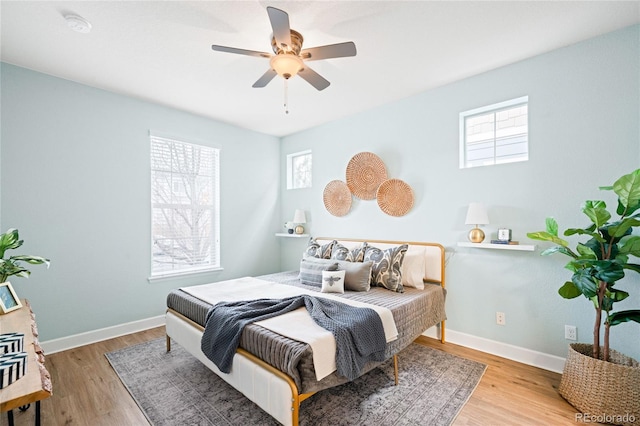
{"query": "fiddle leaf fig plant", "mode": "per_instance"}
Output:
(12, 265)
(600, 262)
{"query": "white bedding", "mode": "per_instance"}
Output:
(322, 342)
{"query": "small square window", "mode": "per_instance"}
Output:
(299, 170)
(495, 134)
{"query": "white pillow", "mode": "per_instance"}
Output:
(333, 281)
(413, 268)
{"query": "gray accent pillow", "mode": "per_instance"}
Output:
(311, 270)
(314, 249)
(357, 276)
(340, 252)
(386, 271)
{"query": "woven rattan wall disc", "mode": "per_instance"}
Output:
(365, 173)
(337, 198)
(395, 197)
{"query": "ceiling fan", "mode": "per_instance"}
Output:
(289, 58)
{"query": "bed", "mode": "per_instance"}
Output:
(277, 372)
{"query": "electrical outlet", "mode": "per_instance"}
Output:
(500, 318)
(570, 332)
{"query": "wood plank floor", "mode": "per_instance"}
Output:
(86, 390)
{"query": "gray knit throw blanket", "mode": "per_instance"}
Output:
(358, 332)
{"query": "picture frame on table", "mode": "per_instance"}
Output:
(8, 298)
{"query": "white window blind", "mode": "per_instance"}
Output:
(184, 207)
(495, 134)
(299, 170)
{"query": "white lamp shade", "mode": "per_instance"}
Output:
(299, 217)
(477, 215)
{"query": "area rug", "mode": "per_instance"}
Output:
(176, 389)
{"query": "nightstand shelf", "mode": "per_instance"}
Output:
(517, 247)
(282, 234)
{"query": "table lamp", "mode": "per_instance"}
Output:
(476, 215)
(298, 219)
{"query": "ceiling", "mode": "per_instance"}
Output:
(160, 51)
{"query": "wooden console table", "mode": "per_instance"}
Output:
(35, 385)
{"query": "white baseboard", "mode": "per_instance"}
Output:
(70, 342)
(516, 353)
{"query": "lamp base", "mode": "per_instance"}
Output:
(299, 229)
(476, 235)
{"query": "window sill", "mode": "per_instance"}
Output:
(169, 276)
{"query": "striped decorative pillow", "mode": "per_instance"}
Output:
(311, 270)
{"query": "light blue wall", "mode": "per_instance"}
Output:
(584, 133)
(76, 183)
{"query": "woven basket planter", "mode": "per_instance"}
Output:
(609, 392)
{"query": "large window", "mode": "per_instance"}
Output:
(495, 134)
(184, 207)
(299, 170)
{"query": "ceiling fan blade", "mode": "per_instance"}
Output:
(265, 79)
(240, 51)
(313, 78)
(339, 50)
(280, 24)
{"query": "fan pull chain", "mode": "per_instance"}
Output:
(286, 96)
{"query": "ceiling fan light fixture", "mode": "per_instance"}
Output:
(286, 65)
(288, 59)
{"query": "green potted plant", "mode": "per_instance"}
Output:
(595, 376)
(13, 265)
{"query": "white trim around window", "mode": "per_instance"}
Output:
(495, 134)
(185, 207)
(299, 170)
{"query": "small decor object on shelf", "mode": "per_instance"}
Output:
(11, 342)
(476, 215)
(504, 234)
(8, 299)
(508, 242)
(289, 227)
(12, 367)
